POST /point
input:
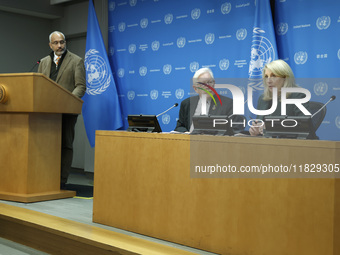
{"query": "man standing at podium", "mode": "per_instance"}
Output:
(68, 70)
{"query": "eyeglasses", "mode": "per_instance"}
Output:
(209, 82)
(62, 42)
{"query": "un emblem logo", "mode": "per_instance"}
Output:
(181, 42)
(154, 94)
(224, 64)
(97, 72)
(155, 45)
(168, 18)
(209, 38)
(143, 71)
(241, 34)
(282, 28)
(194, 66)
(131, 95)
(121, 72)
(320, 88)
(179, 93)
(167, 69)
(226, 8)
(300, 57)
(121, 27)
(166, 119)
(133, 2)
(144, 23)
(337, 122)
(132, 48)
(195, 13)
(262, 52)
(112, 6)
(323, 22)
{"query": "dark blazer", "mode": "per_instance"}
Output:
(71, 74)
(188, 107)
(291, 110)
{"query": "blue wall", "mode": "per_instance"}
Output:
(155, 46)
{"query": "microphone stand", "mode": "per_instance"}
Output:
(175, 105)
(330, 100)
(38, 62)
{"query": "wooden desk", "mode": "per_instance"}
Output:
(143, 184)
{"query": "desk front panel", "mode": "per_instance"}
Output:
(143, 184)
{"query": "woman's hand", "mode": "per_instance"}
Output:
(256, 128)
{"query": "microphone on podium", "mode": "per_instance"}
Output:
(37, 63)
(330, 100)
(175, 105)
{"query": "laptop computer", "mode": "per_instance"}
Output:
(143, 123)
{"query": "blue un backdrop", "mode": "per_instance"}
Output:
(155, 46)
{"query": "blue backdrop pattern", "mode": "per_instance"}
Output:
(307, 33)
(155, 46)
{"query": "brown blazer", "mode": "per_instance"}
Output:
(71, 75)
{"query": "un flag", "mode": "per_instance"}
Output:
(263, 48)
(101, 109)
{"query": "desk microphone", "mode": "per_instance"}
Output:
(330, 100)
(38, 62)
(175, 105)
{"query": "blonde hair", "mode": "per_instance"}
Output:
(281, 69)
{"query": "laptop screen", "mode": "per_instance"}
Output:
(143, 123)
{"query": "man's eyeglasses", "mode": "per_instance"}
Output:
(209, 82)
(62, 42)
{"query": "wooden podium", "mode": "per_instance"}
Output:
(30, 137)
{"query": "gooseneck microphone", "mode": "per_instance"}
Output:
(37, 63)
(175, 105)
(330, 100)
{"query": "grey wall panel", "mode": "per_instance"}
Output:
(24, 40)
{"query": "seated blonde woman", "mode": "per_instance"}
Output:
(276, 74)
